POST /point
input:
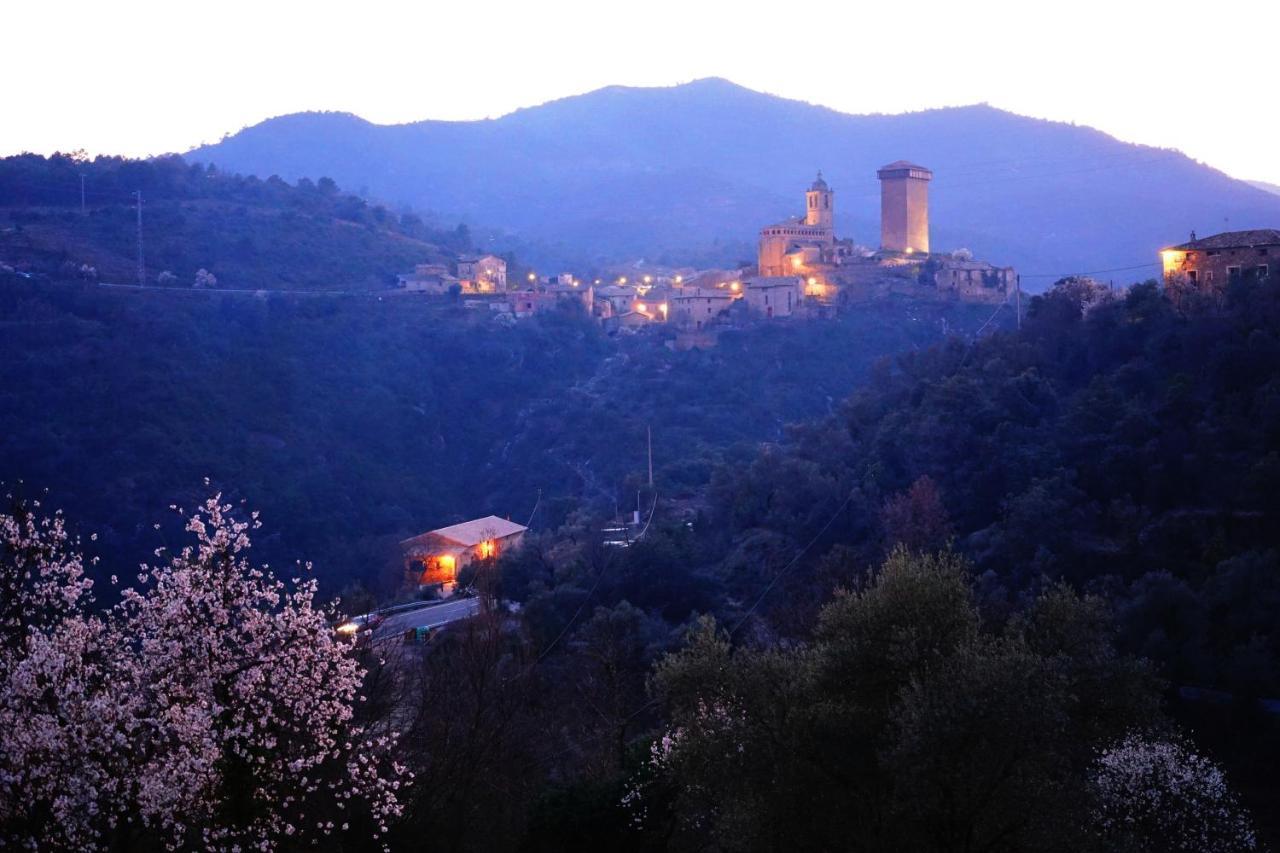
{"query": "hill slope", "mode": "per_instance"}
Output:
(624, 172)
(251, 234)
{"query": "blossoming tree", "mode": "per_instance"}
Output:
(1156, 794)
(215, 704)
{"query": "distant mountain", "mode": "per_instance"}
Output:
(1265, 186)
(696, 169)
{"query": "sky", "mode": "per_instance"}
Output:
(141, 78)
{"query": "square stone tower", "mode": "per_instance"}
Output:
(904, 207)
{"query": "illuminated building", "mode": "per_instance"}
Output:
(904, 207)
(1209, 264)
(433, 559)
(482, 274)
(787, 246)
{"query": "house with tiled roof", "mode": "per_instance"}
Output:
(1208, 264)
(433, 559)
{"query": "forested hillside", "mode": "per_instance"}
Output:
(1113, 446)
(1001, 586)
(354, 421)
(248, 233)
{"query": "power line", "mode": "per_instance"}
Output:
(794, 560)
(1147, 265)
(591, 593)
(529, 523)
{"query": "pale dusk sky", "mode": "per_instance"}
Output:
(142, 78)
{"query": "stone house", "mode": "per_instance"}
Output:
(1208, 264)
(431, 279)
(433, 559)
(774, 296)
(696, 307)
(482, 273)
(975, 280)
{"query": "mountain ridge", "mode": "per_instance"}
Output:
(693, 170)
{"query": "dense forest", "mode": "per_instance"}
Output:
(353, 422)
(1114, 449)
(1014, 593)
(248, 232)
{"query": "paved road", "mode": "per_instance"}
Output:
(430, 616)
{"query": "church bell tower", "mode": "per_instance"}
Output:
(819, 208)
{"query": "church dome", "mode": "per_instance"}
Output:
(818, 183)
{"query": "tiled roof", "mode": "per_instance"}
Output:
(472, 532)
(703, 293)
(790, 222)
(774, 281)
(1235, 240)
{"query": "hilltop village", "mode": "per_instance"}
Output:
(803, 270)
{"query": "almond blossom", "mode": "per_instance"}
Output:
(1156, 794)
(212, 709)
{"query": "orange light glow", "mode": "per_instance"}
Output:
(734, 286)
(488, 548)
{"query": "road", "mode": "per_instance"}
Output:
(428, 616)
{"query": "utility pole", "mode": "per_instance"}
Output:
(1017, 296)
(649, 431)
(142, 267)
(82, 213)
